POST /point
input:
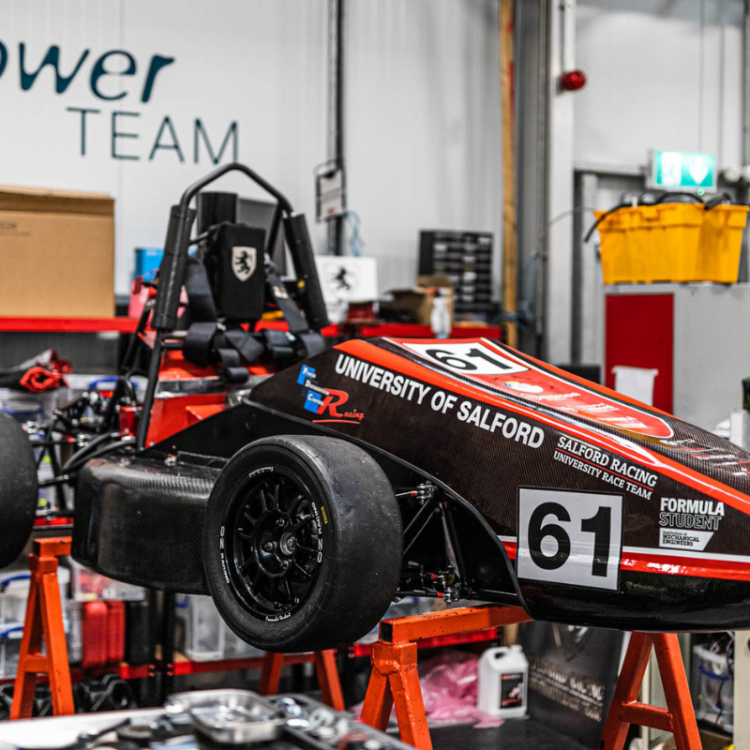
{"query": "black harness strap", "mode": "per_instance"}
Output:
(293, 317)
(199, 342)
(247, 345)
(207, 338)
(200, 296)
(312, 343)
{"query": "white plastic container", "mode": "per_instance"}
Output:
(10, 648)
(503, 682)
(14, 595)
(205, 632)
(713, 688)
(87, 586)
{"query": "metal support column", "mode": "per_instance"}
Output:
(532, 74)
(336, 110)
(559, 238)
(588, 333)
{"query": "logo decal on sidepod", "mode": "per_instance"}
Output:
(325, 401)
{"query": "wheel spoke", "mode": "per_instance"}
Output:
(301, 524)
(287, 590)
(263, 500)
(247, 537)
(295, 504)
(246, 565)
(306, 549)
(302, 570)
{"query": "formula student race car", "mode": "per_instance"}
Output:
(306, 487)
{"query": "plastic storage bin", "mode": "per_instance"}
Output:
(615, 238)
(205, 631)
(713, 688)
(721, 244)
(14, 594)
(87, 586)
(10, 648)
(651, 243)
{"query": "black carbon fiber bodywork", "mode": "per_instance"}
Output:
(644, 601)
(482, 472)
(140, 520)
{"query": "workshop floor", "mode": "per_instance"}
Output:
(512, 733)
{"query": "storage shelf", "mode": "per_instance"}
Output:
(182, 666)
(128, 325)
(67, 325)
(414, 331)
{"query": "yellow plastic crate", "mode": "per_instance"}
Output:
(721, 244)
(616, 241)
(645, 244)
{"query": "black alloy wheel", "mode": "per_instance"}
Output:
(303, 543)
(274, 543)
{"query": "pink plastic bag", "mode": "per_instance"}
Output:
(449, 690)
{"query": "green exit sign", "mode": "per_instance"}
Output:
(677, 170)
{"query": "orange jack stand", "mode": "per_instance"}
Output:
(394, 676)
(678, 717)
(44, 618)
(325, 666)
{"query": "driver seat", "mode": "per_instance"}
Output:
(230, 283)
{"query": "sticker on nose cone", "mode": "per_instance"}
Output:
(569, 537)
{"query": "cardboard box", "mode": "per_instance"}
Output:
(419, 299)
(57, 253)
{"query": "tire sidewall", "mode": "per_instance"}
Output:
(245, 468)
(19, 494)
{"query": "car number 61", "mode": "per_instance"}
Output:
(468, 358)
(569, 537)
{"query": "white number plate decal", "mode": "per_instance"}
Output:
(468, 359)
(569, 537)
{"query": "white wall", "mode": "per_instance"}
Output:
(423, 134)
(662, 74)
(259, 63)
(423, 124)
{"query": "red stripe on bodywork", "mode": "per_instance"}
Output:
(686, 566)
(668, 565)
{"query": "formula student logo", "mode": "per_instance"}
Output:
(326, 402)
(688, 524)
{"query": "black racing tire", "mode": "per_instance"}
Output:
(19, 492)
(343, 567)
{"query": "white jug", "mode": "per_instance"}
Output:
(503, 676)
